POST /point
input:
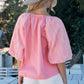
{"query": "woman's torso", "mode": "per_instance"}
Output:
(35, 62)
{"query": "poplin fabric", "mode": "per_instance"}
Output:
(57, 79)
(39, 42)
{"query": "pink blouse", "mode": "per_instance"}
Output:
(39, 42)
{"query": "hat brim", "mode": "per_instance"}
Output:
(53, 4)
(25, 3)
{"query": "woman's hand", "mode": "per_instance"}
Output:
(20, 79)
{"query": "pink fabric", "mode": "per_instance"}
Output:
(39, 42)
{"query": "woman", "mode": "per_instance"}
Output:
(41, 45)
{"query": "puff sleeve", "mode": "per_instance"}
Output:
(17, 45)
(59, 49)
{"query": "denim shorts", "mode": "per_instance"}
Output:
(57, 79)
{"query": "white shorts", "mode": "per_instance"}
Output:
(57, 79)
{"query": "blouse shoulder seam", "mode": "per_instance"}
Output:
(54, 19)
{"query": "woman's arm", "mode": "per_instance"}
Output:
(19, 63)
(62, 69)
(20, 78)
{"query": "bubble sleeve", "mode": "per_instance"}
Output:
(17, 45)
(59, 49)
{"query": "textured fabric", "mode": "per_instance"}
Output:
(57, 79)
(39, 42)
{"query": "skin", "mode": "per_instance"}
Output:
(61, 66)
(62, 70)
(20, 78)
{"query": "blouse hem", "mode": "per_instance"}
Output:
(23, 74)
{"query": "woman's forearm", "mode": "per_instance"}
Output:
(19, 64)
(20, 78)
(62, 69)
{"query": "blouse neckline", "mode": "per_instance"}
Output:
(39, 15)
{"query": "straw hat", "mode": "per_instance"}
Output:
(27, 2)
